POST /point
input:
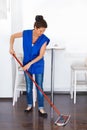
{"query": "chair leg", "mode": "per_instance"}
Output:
(15, 94)
(75, 87)
(14, 97)
(71, 89)
(34, 96)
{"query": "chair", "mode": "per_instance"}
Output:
(77, 70)
(20, 85)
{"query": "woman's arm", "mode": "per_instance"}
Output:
(42, 52)
(12, 39)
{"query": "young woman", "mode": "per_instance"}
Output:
(34, 47)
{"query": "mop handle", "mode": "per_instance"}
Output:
(49, 101)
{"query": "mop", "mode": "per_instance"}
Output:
(62, 119)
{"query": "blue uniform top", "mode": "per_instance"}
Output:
(31, 52)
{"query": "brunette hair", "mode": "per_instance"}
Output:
(40, 22)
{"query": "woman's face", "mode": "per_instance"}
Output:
(39, 31)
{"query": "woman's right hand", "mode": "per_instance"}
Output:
(11, 51)
(27, 66)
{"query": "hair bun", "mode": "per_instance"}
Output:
(39, 18)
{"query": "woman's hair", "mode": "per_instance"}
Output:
(40, 22)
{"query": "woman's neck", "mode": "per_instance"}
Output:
(35, 34)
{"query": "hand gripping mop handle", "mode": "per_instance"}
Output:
(49, 101)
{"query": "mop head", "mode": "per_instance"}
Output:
(62, 120)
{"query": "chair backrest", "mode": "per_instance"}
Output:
(19, 69)
(78, 66)
(20, 57)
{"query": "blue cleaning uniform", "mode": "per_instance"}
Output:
(31, 52)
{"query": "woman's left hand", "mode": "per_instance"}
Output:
(27, 66)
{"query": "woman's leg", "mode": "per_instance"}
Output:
(40, 97)
(39, 81)
(29, 86)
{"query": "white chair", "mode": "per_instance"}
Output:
(20, 85)
(77, 69)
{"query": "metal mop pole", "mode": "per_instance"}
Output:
(49, 101)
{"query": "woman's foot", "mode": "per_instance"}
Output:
(42, 112)
(28, 109)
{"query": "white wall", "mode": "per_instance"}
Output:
(67, 21)
(5, 62)
(16, 22)
(8, 25)
(67, 27)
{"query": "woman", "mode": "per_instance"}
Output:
(34, 47)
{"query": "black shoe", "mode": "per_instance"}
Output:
(44, 114)
(28, 110)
